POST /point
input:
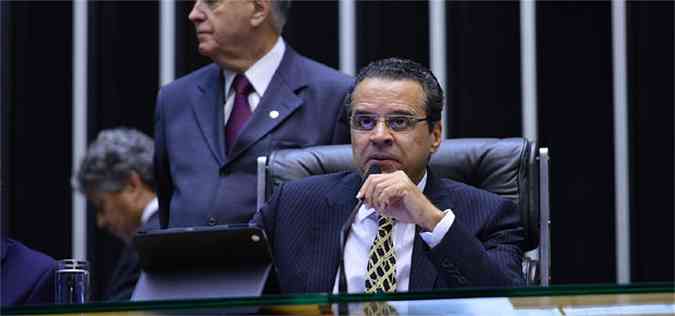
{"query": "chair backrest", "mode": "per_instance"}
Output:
(507, 167)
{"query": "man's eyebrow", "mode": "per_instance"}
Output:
(397, 112)
(403, 112)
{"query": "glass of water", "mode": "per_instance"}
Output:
(72, 281)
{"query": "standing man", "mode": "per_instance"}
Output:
(259, 95)
(414, 231)
(117, 176)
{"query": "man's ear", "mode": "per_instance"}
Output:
(261, 11)
(437, 136)
(134, 183)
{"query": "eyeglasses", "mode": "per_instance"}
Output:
(395, 122)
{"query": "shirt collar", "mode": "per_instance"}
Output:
(366, 212)
(149, 210)
(260, 74)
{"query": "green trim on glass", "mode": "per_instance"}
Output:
(328, 299)
(557, 290)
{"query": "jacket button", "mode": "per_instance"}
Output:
(223, 172)
(212, 221)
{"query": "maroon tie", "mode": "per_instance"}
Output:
(241, 110)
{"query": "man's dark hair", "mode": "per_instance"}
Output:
(110, 160)
(404, 69)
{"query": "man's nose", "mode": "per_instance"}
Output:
(196, 13)
(381, 134)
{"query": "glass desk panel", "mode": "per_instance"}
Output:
(650, 299)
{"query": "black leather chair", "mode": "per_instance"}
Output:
(508, 167)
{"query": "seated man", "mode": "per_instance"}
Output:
(117, 176)
(27, 275)
(414, 231)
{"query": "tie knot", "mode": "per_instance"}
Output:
(386, 222)
(241, 85)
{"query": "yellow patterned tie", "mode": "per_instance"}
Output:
(381, 273)
(379, 309)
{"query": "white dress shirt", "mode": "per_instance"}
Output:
(364, 230)
(259, 75)
(149, 210)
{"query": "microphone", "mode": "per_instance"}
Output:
(347, 228)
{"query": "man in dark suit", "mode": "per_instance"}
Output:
(27, 275)
(117, 176)
(259, 95)
(414, 231)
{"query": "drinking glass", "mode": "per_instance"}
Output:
(72, 281)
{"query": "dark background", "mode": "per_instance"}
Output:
(575, 108)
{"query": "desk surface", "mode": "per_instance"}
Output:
(654, 299)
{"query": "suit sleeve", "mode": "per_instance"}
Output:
(265, 217)
(43, 290)
(163, 179)
(491, 259)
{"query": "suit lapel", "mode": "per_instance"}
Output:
(328, 224)
(208, 106)
(279, 102)
(423, 273)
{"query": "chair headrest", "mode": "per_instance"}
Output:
(506, 167)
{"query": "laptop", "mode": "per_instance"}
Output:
(202, 262)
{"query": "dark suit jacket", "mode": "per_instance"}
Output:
(128, 269)
(481, 248)
(27, 275)
(197, 181)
